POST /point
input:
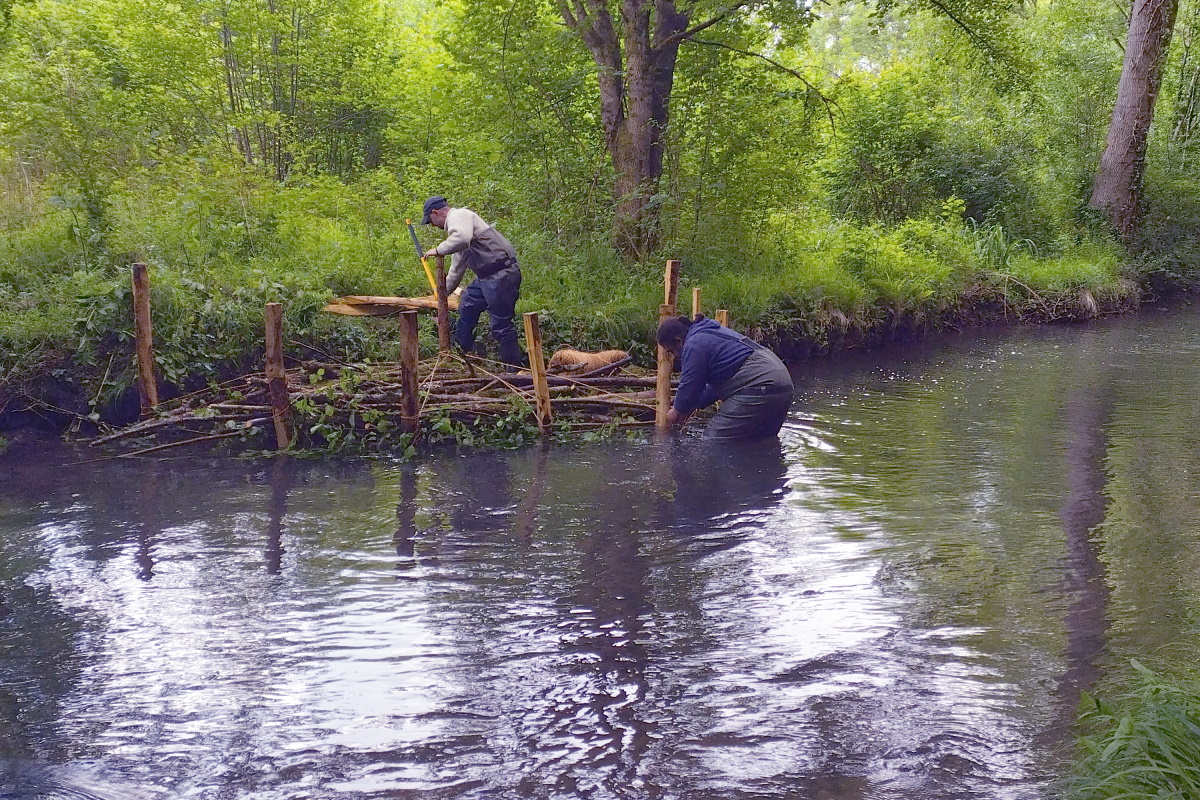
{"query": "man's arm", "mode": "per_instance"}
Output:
(454, 276)
(460, 230)
(694, 391)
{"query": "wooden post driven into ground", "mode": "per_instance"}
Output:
(443, 308)
(537, 370)
(695, 302)
(147, 385)
(666, 361)
(281, 407)
(409, 409)
(671, 284)
(723, 317)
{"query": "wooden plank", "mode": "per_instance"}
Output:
(281, 407)
(409, 351)
(723, 317)
(666, 363)
(429, 302)
(147, 383)
(695, 302)
(363, 310)
(537, 370)
(443, 307)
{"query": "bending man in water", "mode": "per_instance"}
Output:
(719, 364)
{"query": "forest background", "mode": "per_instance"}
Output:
(831, 173)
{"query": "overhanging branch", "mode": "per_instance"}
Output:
(692, 31)
(971, 34)
(981, 41)
(827, 102)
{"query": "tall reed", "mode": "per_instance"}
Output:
(1146, 744)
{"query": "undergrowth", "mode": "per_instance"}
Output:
(220, 250)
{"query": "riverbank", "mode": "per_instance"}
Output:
(809, 286)
(65, 396)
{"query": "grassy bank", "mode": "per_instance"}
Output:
(805, 280)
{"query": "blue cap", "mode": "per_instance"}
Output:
(432, 204)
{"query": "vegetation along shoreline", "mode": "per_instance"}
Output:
(82, 385)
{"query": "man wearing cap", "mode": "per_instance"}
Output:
(475, 245)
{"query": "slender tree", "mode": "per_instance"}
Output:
(1117, 191)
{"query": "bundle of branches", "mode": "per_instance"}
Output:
(370, 397)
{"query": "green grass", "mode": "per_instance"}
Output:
(1145, 744)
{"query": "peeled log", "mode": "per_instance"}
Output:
(362, 305)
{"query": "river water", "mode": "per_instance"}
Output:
(904, 598)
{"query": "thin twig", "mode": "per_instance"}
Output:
(318, 350)
(210, 438)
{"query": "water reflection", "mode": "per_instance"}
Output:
(281, 482)
(715, 483)
(1088, 418)
(148, 525)
(406, 516)
(902, 598)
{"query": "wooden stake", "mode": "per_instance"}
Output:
(281, 407)
(723, 317)
(666, 363)
(147, 384)
(537, 369)
(408, 371)
(695, 302)
(671, 284)
(443, 307)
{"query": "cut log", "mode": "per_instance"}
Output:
(362, 305)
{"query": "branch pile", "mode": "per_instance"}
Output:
(363, 397)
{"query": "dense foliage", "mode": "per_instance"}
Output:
(829, 173)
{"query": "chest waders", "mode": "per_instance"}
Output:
(755, 400)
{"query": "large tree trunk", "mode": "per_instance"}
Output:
(1117, 190)
(636, 73)
(638, 155)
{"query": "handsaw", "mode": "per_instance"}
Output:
(421, 255)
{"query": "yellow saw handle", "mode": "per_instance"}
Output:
(421, 255)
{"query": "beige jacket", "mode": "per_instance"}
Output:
(474, 245)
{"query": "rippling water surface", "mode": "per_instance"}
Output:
(902, 599)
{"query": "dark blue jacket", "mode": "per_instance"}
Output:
(711, 354)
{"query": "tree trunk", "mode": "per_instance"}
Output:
(233, 85)
(1117, 190)
(636, 73)
(638, 156)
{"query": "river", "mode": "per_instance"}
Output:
(904, 598)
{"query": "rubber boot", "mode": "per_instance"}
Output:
(512, 356)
